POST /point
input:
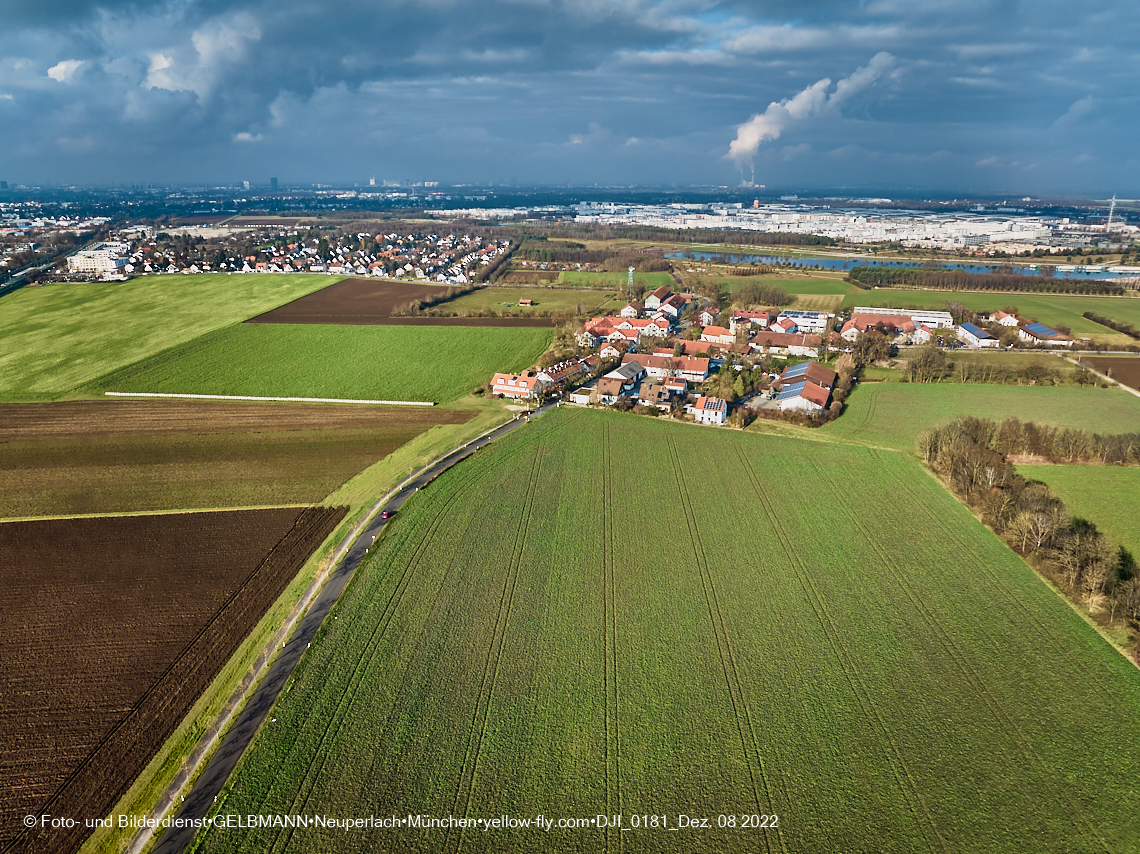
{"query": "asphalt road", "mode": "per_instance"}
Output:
(210, 783)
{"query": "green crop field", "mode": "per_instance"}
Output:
(1047, 309)
(1108, 496)
(545, 299)
(354, 362)
(703, 644)
(581, 279)
(56, 338)
(892, 415)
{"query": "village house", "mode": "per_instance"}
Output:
(709, 410)
(559, 376)
(518, 386)
(672, 307)
(689, 368)
(619, 382)
(654, 299)
(655, 395)
(785, 344)
(708, 316)
(718, 335)
(748, 318)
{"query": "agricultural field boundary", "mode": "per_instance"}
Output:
(274, 399)
(1104, 377)
(229, 722)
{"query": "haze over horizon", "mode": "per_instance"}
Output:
(977, 96)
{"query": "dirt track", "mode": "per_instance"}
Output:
(113, 627)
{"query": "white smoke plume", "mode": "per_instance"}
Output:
(812, 101)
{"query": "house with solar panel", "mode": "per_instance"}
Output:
(806, 386)
(709, 410)
(1039, 333)
(974, 336)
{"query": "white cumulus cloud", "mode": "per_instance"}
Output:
(64, 71)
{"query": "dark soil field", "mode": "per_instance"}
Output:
(112, 629)
(141, 417)
(355, 302)
(127, 456)
(1123, 369)
(369, 302)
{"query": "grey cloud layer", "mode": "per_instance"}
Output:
(977, 94)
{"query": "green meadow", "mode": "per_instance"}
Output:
(55, 338)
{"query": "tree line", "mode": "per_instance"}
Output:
(959, 280)
(930, 364)
(968, 454)
(1117, 325)
(1056, 444)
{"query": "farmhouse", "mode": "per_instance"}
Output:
(632, 310)
(709, 410)
(791, 344)
(689, 368)
(889, 325)
(518, 386)
(1004, 319)
(976, 337)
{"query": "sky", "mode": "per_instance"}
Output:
(971, 96)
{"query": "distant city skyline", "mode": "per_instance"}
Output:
(981, 97)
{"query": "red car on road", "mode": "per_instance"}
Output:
(387, 514)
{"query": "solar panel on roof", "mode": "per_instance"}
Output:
(791, 391)
(1041, 329)
(797, 370)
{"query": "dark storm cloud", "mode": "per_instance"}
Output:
(976, 94)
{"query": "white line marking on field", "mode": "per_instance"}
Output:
(277, 399)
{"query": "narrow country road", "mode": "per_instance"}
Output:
(212, 780)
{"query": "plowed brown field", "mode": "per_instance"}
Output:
(370, 302)
(90, 418)
(124, 456)
(1123, 369)
(112, 628)
(355, 302)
